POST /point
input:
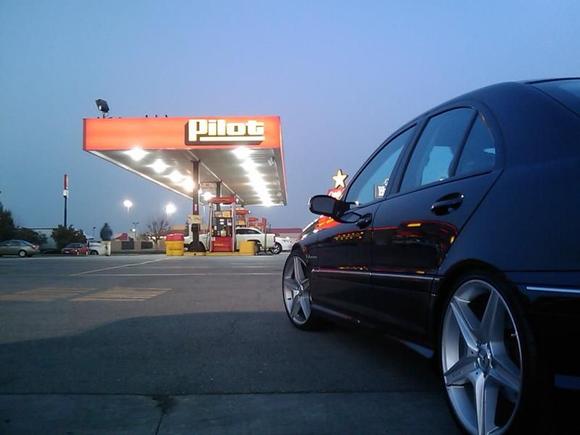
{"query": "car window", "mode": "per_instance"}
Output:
(241, 231)
(439, 143)
(253, 232)
(478, 154)
(371, 184)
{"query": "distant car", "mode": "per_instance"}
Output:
(286, 243)
(97, 248)
(265, 242)
(21, 248)
(76, 249)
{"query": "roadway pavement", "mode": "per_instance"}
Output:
(178, 345)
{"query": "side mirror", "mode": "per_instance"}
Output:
(328, 206)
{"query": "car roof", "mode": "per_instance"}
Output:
(532, 82)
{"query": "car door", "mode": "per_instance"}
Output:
(341, 280)
(449, 171)
(13, 247)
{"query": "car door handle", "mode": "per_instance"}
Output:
(364, 221)
(447, 204)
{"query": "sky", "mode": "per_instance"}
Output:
(342, 75)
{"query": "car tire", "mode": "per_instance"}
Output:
(93, 252)
(276, 249)
(488, 360)
(22, 253)
(296, 293)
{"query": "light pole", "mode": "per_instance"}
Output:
(65, 195)
(128, 204)
(134, 230)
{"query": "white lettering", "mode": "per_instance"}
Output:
(199, 128)
(236, 129)
(201, 131)
(255, 128)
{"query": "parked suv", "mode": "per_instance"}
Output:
(458, 235)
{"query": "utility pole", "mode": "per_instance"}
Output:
(65, 195)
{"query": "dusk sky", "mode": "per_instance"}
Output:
(341, 75)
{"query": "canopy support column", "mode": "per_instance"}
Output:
(196, 219)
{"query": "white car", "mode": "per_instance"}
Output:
(286, 242)
(266, 242)
(97, 248)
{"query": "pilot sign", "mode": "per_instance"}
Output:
(216, 131)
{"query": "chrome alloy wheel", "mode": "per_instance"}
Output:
(481, 358)
(297, 290)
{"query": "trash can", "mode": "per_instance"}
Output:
(174, 245)
(248, 247)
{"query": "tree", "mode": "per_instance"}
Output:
(7, 226)
(106, 233)
(64, 235)
(8, 230)
(158, 228)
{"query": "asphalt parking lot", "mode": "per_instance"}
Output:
(155, 344)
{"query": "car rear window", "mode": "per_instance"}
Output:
(566, 92)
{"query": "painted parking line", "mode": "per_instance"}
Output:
(123, 294)
(87, 272)
(184, 274)
(44, 294)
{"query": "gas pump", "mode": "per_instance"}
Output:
(222, 237)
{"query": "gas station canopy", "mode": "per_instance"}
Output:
(242, 155)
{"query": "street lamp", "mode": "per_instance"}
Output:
(134, 230)
(170, 209)
(102, 106)
(128, 204)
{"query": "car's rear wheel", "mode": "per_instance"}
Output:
(93, 252)
(276, 249)
(22, 253)
(489, 364)
(296, 292)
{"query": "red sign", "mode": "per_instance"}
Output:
(111, 134)
(223, 200)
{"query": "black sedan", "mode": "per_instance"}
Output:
(458, 236)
